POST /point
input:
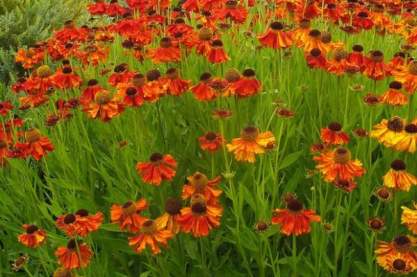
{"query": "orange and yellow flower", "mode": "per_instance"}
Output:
(151, 234)
(398, 178)
(333, 134)
(33, 236)
(128, 216)
(409, 218)
(251, 143)
(211, 142)
(337, 165)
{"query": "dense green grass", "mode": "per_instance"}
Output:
(88, 169)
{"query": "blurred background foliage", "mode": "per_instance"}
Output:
(24, 22)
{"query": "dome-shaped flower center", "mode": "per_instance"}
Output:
(198, 208)
(398, 165)
(210, 136)
(399, 264)
(131, 91)
(72, 244)
(277, 26)
(232, 75)
(32, 229)
(173, 206)
(250, 133)
(129, 208)
(205, 34)
(412, 68)
(377, 56)
(148, 227)
(342, 155)
(402, 243)
(165, 42)
(43, 71)
(335, 126)
(156, 157)
(411, 128)
(69, 218)
(294, 205)
(153, 75)
(82, 212)
(396, 124)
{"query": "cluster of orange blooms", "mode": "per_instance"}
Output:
(138, 24)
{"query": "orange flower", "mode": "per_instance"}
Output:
(152, 234)
(315, 59)
(199, 183)
(408, 142)
(129, 94)
(333, 134)
(389, 132)
(159, 168)
(251, 143)
(36, 145)
(203, 91)
(174, 84)
(166, 52)
(89, 93)
(246, 86)
(294, 220)
(374, 66)
(337, 165)
(172, 212)
(200, 217)
(313, 41)
(121, 75)
(211, 142)
(31, 57)
(33, 237)
(275, 37)
(401, 248)
(216, 53)
(397, 177)
(65, 78)
(408, 76)
(75, 255)
(104, 106)
(86, 223)
(409, 218)
(67, 224)
(128, 216)
(154, 88)
(394, 96)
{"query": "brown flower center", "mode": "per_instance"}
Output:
(294, 205)
(31, 229)
(165, 42)
(69, 218)
(129, 208)
(82, 212)
(377, 56)
(199, 181)
(342, 155)
(198, 208)
(261, 226)
(399, 264)
(395, 124)
(156, 157)
(395, 85)
(412, 68)
(383, 193)
(411, 128)
(72, 244)
(250, 133)
(153, 75)
(402, 243)
(173, 206)
(398, 165)
(232, 75)
(43, 71)
(335, 126)
(205, 34)
(210, 136)
(131, 91)
(148, 227)
(138, 80)
(276, 26)
(376, 224)
(248, 73)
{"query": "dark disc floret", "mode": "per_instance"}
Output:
(411, 128)
(69, 218)
(357, 48)
(130, 91)
(314, 33)
(395, 85)
(205, 76)
(173, 206)
(82, 212)
(399, 264)
(153, 75)
(156, 157)
(398, 165)
(395, 124)
(32, 229)
(211, 136)
(294, 205)
(335, 126)
(277, 25)
(198, 208)
(315, 52)
(217, 43)
(248, 72)
(72, 244)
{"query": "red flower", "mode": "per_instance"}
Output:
(203, 91)
(159, 168)
(75, 255)
(333, 134)
(65, 78)
(36, 145)
(128, 216)
(33, 236)
(5, 107)
(294, 220)
(246, 86)
(275, 37)
(211, 142)
(216, 53)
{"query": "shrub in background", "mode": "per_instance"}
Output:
(24, 22)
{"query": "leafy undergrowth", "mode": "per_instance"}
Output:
(214, 139)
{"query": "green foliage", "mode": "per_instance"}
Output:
(25, 22)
